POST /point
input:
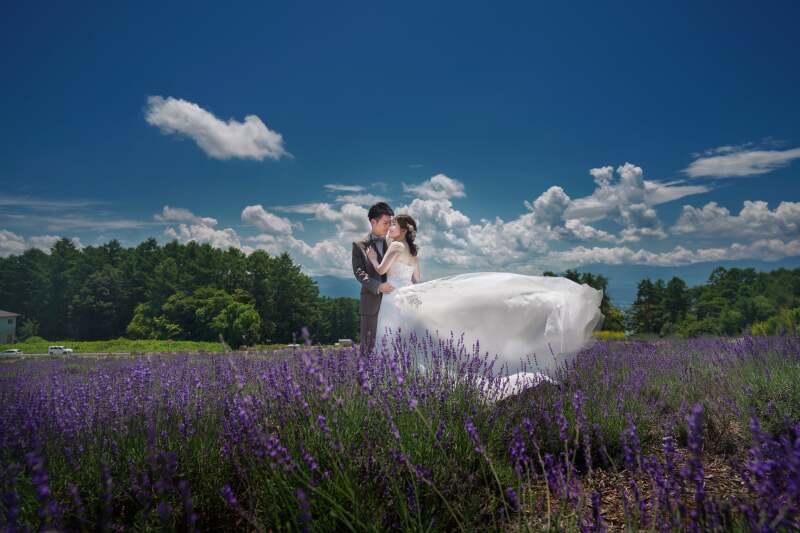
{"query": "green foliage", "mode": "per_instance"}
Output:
(93, 309)
(176, 291)
(197, 292)
(615, 319)
(28, 329)
(148, 323)
(609, 335)
(647, 313)
(733, 301)
(34, 345)
(771, 393)
(676, 300)
(338, 315)
(785, 321)
(694, 327)
(239, 323)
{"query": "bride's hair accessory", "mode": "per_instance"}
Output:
(408, 224)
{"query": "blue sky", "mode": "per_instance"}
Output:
(484, 120)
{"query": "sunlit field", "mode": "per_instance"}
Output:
(37, 345)
(669, 435)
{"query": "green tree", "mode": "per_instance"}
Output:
(786, 321)
(94, 309)
(756, 308)
(148, 323)
(676, 300)
(138, 271)
(238, 323)
(28, 328)
(731, 322)
(63, 260)
(25, 284)
(296, 298)
(647, 312)
(695, 327)
(340, 319)
(261, 284)
(235, 275)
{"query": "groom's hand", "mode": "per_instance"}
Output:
(386, 287)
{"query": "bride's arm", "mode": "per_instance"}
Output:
(391, 254)
(416, 276)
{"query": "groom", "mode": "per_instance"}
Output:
(373, 285)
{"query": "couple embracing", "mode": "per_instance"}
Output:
(374, 258)
(518, 318)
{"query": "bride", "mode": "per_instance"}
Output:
(519, 318)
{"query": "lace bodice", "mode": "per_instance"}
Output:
(400, 274)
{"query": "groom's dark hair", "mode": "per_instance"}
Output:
(378, 210)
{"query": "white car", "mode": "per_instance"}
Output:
(58, 350)
(12, 351)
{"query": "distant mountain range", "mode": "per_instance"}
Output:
(622, 283)
(335, 287)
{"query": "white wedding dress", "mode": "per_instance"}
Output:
(531, 323)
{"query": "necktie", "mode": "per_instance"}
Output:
(377, 242)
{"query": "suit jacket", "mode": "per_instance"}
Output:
(369, 278)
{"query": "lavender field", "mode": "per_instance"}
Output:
(667, 435)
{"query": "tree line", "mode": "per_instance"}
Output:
(175, 291)
(196, 292)
(732, 302)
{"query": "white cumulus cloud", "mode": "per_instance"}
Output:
(439, 187)
(251, 139)
(13, 244)
(199, 229)
(612, 198)
(586, 232)
(548, 209)
(360, 199)
(318, 210)
(180, 214)
(266, 221)
(554, 232)
(733, 162)
(201, 234)
(629, 201)
(338, 187)
(755, 220)
(763, 249)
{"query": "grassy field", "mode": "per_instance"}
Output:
(37, 345)
(671, 435)
(122, 345)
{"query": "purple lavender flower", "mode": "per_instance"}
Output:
(473, 434)
(563, 428)
(513, 499)
(631, 445)
(256, 419)
(230, 498)
(305, 509)
(694, 468)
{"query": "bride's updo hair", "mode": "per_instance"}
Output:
(408, 224)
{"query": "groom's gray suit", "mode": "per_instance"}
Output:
(370, 280)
